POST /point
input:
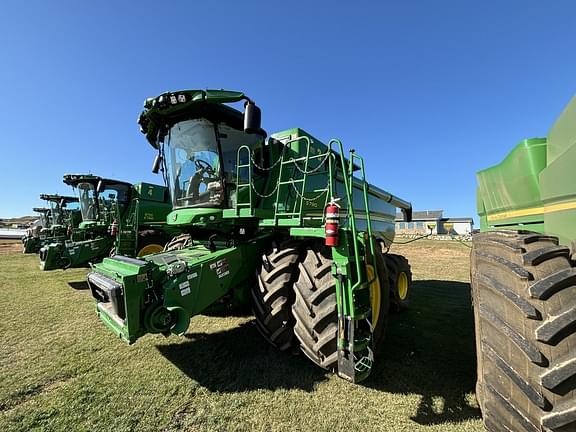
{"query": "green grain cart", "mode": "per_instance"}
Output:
(524, 284)
(288, 224)
(117, 217)
(56, 223)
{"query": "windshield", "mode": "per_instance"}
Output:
(43, 220)
(194, 165)
(86, 196)
(195, 174)
(55, 212)
(92, 210)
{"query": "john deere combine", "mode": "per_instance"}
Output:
(117, 217)
(57, 222)
(524, 284)
(289, 224)
(32, 241)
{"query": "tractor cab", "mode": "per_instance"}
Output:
(60, 206)
(197, 137)
(43, 216)
(100, 199)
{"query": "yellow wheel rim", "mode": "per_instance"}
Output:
(375, 294)
(402, 286)
(150, 249)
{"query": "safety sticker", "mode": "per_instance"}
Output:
(184, 288)
(221, 267)
(192, 276)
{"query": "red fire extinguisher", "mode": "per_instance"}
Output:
(332, 217)
(114, 228)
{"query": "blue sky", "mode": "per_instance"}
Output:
(428, 92)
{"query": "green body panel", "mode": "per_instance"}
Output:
(75, 254)
(192, 279)
(31, 244)
(513, 184)
(534, 187)
(280, 190)
(147, 208)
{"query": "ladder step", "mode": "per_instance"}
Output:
(291, 181)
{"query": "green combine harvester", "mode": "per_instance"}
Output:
(288, 224)
(56, 222)
(117, 217)
(32, 241)
(524, 284)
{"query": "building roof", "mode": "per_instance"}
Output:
(428, 215)
(462, 219)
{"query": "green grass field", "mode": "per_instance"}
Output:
(61, 369)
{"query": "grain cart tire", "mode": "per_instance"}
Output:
(273, 295)
(150, 242)
(315, 308)
(400, 280)
(524, 296)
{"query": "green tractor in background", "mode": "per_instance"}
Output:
(524, 284)
(56, 223)
(117, 217)
(32, 241)
(288, 225)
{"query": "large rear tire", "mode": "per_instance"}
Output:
(524, 295)
(400, 281)
(273, 295)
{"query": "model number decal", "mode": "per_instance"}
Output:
(221, 267)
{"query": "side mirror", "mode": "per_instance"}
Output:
(252, 118)
(100, 187)
(156, 164)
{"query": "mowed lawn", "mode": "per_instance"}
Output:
(61, 369)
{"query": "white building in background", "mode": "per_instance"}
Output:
(432, 221)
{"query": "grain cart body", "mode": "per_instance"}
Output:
(117, 217)
(524, 284)
(254, 214)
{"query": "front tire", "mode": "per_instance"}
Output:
(273, 295)
(524, 295)
(315, 308)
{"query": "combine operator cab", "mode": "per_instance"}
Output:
(198, 151)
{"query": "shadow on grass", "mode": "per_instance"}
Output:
(430, 351)
(79, 285)
(238, 360)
